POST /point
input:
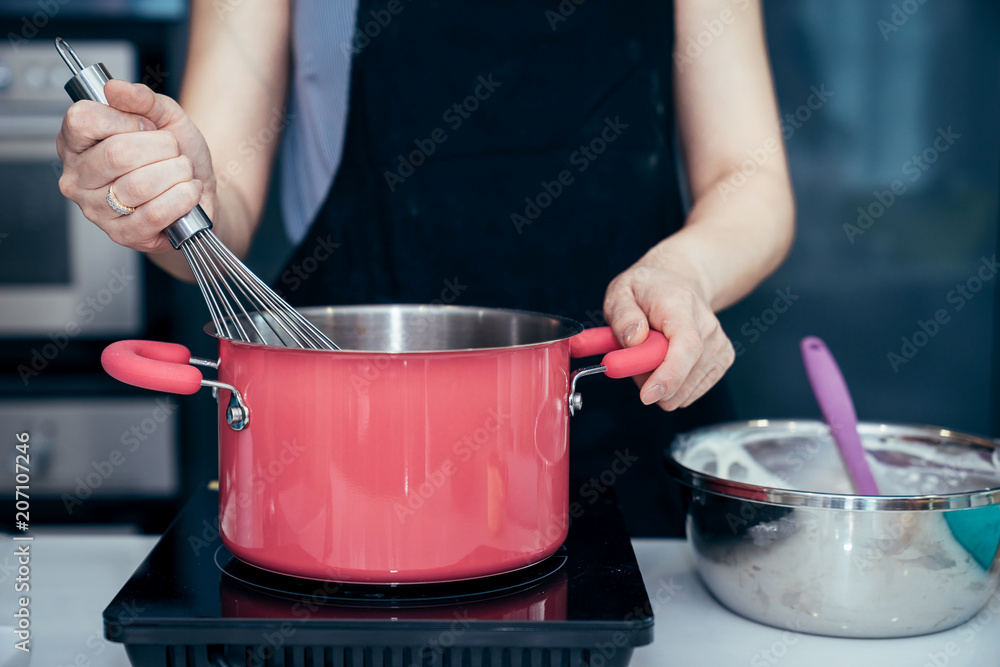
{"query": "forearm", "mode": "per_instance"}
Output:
(742, 223)
(234, 91)
(733, 238)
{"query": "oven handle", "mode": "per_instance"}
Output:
(167, 367)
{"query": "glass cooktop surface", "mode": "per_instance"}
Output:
(191, 603)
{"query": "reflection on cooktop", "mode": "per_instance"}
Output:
(375, 595)
(192, 602)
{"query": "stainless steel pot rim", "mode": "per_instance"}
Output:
(565, 327)
(792, 498)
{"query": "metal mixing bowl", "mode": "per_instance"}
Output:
(779, 537)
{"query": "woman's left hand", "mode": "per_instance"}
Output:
(650, 295)
(739, 227)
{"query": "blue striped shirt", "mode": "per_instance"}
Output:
(322, 47)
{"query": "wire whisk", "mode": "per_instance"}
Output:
(242, 306)
(227, 284)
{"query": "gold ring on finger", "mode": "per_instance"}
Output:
(118, 207)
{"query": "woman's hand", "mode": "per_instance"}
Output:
(740, 226)
(145, 146)
(699, 353)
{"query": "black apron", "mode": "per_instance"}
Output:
(515, 154)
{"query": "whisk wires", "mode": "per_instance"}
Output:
(242, 306)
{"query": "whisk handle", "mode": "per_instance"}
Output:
(88, 84)
(152, 365)
(183, 228)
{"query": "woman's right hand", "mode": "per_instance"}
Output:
(149, 150)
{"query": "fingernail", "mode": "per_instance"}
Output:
(630, 333)
(653, 394)
(146, 125)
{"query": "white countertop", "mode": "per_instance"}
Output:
(693, 630)
(74, 577)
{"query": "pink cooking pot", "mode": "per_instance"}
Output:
(432, 447)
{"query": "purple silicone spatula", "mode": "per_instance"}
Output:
(835, 403)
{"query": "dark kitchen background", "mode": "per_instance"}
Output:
(889, 116)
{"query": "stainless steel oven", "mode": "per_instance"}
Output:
(59, 274)
(66, 290)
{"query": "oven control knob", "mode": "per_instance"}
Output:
(6, 77)
(36, 77)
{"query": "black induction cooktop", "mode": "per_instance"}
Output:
(192, 604)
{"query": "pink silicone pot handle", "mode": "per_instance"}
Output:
(620, 362)
(152, 365)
